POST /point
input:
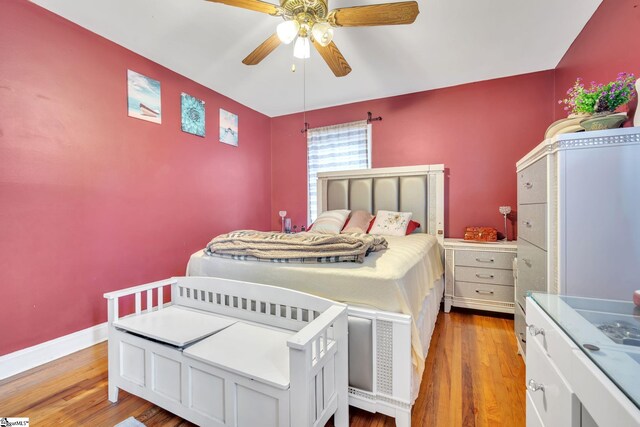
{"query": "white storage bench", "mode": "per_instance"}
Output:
(229, 353)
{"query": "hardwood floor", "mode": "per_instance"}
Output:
(473, 377)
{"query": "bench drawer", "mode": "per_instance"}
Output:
(483, 291)
(532, 183)
(484, 259)
(532, 224)
(484, 275)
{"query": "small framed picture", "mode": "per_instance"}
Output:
(143, 97)
(228, 128)
(192, 115)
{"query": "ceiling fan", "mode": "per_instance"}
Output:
(311, 22)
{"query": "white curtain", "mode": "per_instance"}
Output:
(333, 148)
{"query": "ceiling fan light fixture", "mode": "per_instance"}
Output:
(302, 48)
(322, 33)
(287, 31)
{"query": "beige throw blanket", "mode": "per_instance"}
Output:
(300, 247)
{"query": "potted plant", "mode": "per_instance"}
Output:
(600, 101)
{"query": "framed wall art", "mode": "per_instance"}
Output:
(192, 115)
(228, 128)
(143, 97)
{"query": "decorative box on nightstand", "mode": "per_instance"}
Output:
(479, 275)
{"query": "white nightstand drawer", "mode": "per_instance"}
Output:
(484, 275)
(532, 183)
(483, 291)
(532, 224)
(554, 401)
(485, 259)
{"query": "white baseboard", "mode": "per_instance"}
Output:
(25, 359)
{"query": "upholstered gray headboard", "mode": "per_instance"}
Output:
(416, 189)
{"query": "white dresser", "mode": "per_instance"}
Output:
(577, 376)
(479, 275)
(578, 208)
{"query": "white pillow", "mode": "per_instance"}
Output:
(330, 222)
(389, 223)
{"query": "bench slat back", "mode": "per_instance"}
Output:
(269, 305)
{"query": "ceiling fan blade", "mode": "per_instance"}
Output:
(334, 59)
(377, 14)
(256, 5)
(261, 52)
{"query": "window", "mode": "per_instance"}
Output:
(335, 148)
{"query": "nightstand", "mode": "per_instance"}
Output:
(479, 275)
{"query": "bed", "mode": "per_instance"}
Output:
(393, 297)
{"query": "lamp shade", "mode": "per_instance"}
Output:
(322, 33)
(287, 31)
(302, 48)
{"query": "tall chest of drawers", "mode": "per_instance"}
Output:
(578, 203)
(533, 213)
(479, 275)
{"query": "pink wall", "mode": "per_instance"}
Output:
(477, 130)
(608, 44)
(92, 200)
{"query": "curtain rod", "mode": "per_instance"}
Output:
(370, 119)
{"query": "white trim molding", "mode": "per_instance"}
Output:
(31, 357)
(578, 140)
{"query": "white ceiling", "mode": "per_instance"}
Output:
(451, 42)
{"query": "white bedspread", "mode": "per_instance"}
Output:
(396, 279)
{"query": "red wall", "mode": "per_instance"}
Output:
(477, 130)
(608, 44)
(92, 200)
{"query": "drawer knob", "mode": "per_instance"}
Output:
(483, 292)
(484, 276)
(533, 331)
(488, 260)
(534, 386)
(528, 185)
(527, 224)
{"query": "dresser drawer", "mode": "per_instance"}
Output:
(520, 326)
(533, 418)
(532, 183)
(483, 291)
(484, 275)
(486, 259)
(548, 337)
(555, 402)
(532, 270)
(532, 224)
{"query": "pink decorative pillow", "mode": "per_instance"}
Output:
(358, 222)
(389, 223)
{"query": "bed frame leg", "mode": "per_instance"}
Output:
(403, 418)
